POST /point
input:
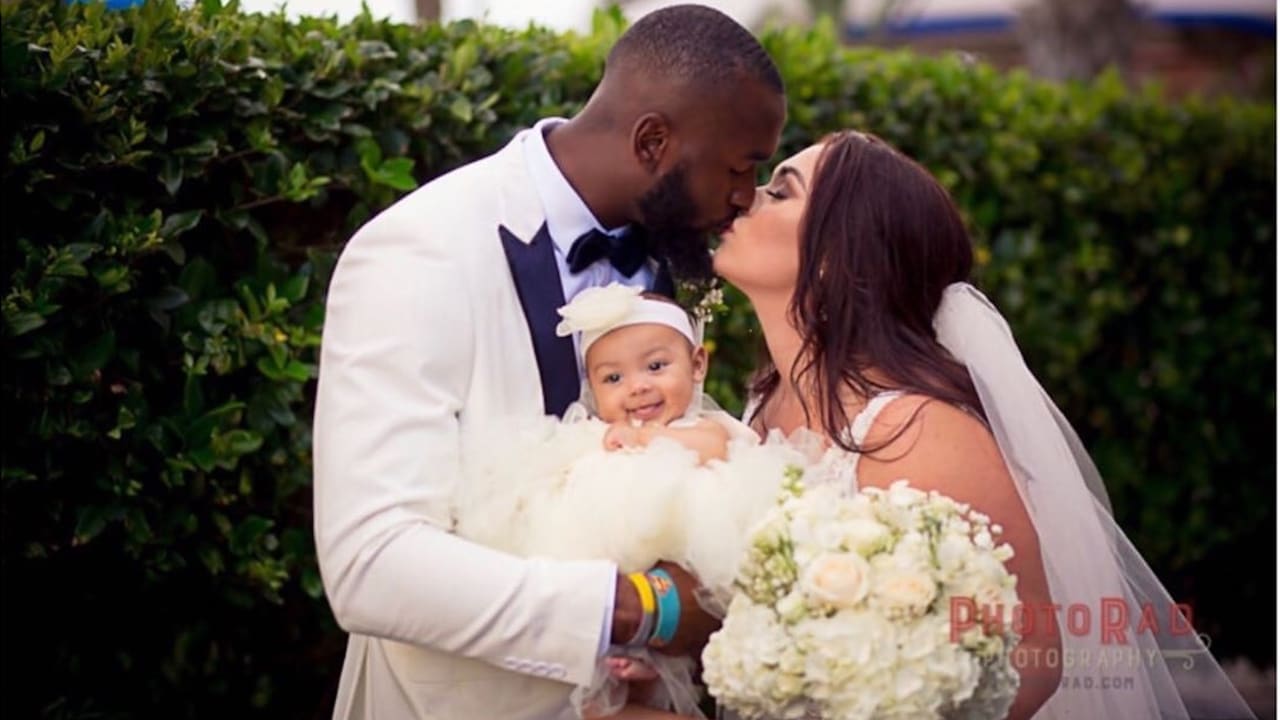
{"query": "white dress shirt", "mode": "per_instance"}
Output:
(568, 218)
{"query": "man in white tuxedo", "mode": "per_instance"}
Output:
(441, 317)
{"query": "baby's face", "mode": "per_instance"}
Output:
(644, 373)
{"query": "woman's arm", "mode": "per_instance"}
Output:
(949, 450)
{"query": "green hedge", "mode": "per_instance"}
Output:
(177, 184)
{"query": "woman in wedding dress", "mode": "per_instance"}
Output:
(856, 262)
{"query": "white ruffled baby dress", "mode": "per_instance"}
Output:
(545, 487)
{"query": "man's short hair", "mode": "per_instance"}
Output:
(697, 45)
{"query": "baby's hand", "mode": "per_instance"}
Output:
(630, 669)
(622, 435)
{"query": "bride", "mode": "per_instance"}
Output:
(855, 260)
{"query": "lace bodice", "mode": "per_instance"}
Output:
(841, 466)
(836, 464)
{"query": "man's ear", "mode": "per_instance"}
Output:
(651, 140)
(700, 363)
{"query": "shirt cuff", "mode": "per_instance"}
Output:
(606, 631)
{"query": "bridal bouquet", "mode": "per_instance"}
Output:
(842, 610)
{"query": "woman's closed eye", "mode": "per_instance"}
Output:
(775, 194)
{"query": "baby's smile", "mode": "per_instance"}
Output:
(646, 412)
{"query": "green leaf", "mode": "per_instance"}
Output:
(203, 458)
(242, 442)
(464, 58)
(65, 265)
(82, 251)
(192, 394)
(397, 173)
(461, 109)
(112, 276)
(370, 153)
(21, 323)
(301, 372)
(226, 408)
(210, 556)
(198, 278)
(178, 223)
(295, 288)
(58, 376)
(311, 583)
(90, 522)
(171, 174)
(96, 355)
(204, 148)
(247, 533)
(168, 298)
(267, 366)
(176, 252)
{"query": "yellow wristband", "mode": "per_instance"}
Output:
(647, 601)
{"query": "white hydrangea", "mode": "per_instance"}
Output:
(843, 611)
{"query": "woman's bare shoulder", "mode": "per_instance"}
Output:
(924, 437)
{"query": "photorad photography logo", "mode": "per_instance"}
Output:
(1101, 645)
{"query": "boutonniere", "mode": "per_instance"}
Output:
(704, 299)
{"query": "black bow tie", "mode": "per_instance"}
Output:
(625, 253)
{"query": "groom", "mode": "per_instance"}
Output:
(440, 318)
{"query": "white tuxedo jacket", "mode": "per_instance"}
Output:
(440, 315)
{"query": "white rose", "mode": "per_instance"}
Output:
(840, 580)
(596, 308)
(904, 592)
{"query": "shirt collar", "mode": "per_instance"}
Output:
(568, 217)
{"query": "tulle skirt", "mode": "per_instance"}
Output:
(542, 487)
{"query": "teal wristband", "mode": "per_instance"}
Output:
(668, 601)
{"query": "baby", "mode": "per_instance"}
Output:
(643, 469)
(644, 369)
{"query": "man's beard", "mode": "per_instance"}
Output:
(668, 213)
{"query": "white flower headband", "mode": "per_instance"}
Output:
(599, 310)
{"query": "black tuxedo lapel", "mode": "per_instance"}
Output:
(537, 280)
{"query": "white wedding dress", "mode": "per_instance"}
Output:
(1156, 676)
(1168, 674)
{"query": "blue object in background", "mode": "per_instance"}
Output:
(121, 4)
(111, 4)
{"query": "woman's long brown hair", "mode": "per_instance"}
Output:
(879, 242)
